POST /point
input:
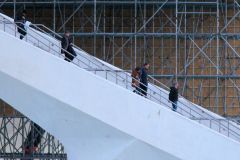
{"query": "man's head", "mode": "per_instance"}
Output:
(24, 13)
(67, 33)
(146, 65)
(175, 84)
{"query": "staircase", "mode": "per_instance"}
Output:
(46, 39)
(157, 95)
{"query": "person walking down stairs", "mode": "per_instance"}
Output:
(67, 48)
(173, 95)
(20, 22)
(144, 79)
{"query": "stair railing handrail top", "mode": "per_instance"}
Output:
(36, 25)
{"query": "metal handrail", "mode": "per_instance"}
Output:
(118, 70)
(123, 78)
(110, 68)
(211, 116)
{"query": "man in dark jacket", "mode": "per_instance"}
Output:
(173, 95)
(144, 79)
(20, 21)
(67, 47)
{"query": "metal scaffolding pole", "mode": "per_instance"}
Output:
(95, 27)
(176, 41)
(135, 34)
(54, 16)
(218, 68)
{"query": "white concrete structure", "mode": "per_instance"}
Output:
(97, 119)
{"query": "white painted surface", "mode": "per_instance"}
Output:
(95, 118)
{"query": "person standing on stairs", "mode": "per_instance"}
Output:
(144, 79)
(67, 48)
(20, 22)
(173, 95)
(135, 80)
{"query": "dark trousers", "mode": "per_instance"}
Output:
(71, 55)
(137, 90)
(174, 105)
(143, 88)
(22, 32)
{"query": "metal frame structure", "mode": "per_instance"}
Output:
(17, 136)
(192, 41)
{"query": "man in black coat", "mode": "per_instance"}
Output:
(20, 21)
(144, 79)
(173, 95)
(67, 47)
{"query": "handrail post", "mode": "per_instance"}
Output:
(15, 30)
(116, 77)
(38, 43)
(210, 123)
(160, 94)
(228, 128)
(4, 26)
(126, 81)
(219, 126)
(49, 46)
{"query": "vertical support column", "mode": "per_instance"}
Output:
(22, 138)
(54, 16)
(185, 45)
(14, 9)
(113, 31)
(153, 44)
(122, 38)
(144, 28)
(73, 24)
(225, 62)
(193, 51)
(95, 27)
(64, 17)
(5, 133)
(135, 34)
(104, 31)
(176, 40)
(217, 52)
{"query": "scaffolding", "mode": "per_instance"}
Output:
(21, 138)
(192, 41)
